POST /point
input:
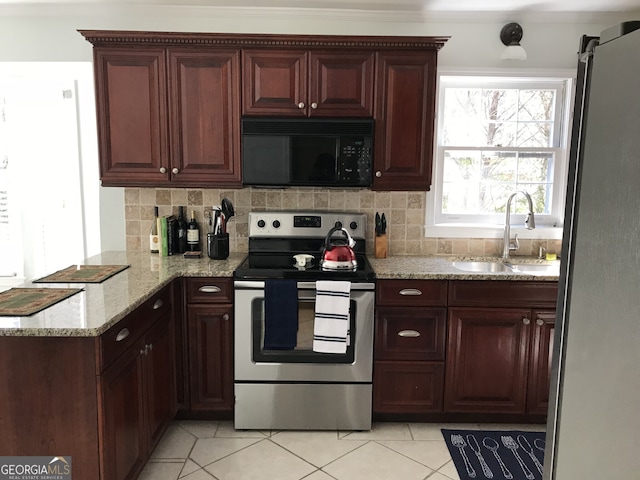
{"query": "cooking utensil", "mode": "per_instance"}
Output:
(383, 225)
(339, 256)
(378, 225)
(227, 208)
(526, 446)
(510, 443)
(473, 444)
(493, 445)
(459, 442)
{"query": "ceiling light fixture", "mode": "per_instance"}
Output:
(510, 35)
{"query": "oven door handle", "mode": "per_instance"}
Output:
(256, 285)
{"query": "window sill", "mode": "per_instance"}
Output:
(490, 231)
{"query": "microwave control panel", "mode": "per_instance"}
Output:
(356, 160)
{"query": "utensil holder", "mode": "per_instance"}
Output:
(218, 246)
(380, 244)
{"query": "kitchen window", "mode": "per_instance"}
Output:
(495, 136)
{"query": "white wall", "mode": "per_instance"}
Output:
(49, 33)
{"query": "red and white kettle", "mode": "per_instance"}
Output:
(339, 255)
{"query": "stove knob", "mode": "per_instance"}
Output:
(338, 224)
(353, 225)
(276, 224)
(261, 223)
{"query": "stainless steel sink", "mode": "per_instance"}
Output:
(490, 267)
(533, 269)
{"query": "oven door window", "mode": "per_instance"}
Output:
(303, 352)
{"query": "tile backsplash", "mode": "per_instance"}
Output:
(405, 212)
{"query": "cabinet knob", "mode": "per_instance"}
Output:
(163, 170)
(408, 333)
(540, 322)
(526, 321)
(301, 105)
(209, 289)
(157, 304)
(175, 171)
(122, 334)
(314, 105)
(378, 173)
(410, 292)
(143, 351)
(225, 317)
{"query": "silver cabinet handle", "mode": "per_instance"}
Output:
(540, 322)
(225, 317)
(209, 289)
(122, 334)
(378, 174)
(526, 321)
(408, 333)
(143, 351)
(158, 303)
(163, 170)
(175, 171)
(410, 292)
(314, 105)
(301, 105)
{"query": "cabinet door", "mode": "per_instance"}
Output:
(487, 358)
(124, 441)
(404, 117)
(132, 119)
(341, 84)
(205, 117)
(210, 358)
(407, 387)
(410, 333)
(160, 405)
(543, 323)
(274, 82)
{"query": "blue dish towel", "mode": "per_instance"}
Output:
(280, 314)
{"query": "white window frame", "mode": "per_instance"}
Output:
(547, 226)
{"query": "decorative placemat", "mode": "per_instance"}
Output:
(496, 454)
(82, 274)
(22, 302)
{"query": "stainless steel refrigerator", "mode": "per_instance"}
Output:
(594, 415)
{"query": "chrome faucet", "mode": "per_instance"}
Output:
(530, 223)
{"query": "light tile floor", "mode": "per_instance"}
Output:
(208, 450)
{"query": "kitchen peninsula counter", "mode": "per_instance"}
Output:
(99, 306)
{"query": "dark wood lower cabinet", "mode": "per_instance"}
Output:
(407, 387)
(540, 364)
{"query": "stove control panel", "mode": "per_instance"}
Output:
(305, 224)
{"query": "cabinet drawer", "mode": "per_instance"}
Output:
(486, 293)
(411, 292)
(408, 387)
(124, 333)
(209, 290)
(410, 333)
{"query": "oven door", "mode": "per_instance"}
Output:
(254, 363)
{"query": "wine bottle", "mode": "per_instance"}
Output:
(154, 239)
(193, 234)
(182, 231)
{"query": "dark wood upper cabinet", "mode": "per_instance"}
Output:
(132, 115)
(169, 104)
(404, 118)
(205, 121)
(308, 83)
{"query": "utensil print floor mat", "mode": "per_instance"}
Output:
(496, 454)
(82, 274)
(22, 302)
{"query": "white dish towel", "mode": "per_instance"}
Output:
(331, 323)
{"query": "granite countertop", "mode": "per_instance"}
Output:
(441, 268)
(101, 305)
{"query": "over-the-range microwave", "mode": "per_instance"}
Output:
(279, 152)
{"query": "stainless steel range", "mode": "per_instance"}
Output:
(297, 384)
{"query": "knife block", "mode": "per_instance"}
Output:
(380, 246)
